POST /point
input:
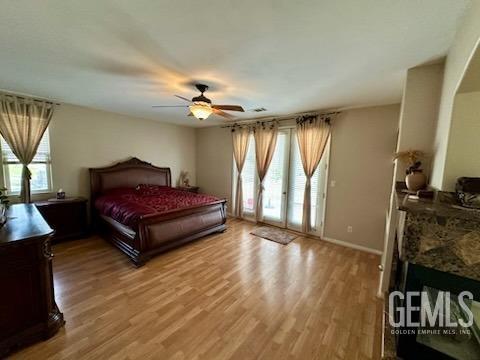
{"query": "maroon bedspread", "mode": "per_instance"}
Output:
(127, 206)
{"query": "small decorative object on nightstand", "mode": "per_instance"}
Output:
(183, 180)
(68, 217)
(192, 189)
(60, 194)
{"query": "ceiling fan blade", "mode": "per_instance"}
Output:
(183, 98)
(166, 106)
(228, 107)
(190, 114)
(222, 113)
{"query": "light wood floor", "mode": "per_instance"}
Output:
(228, 296)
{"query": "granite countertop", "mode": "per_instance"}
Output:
(444, 204)
(440, 234)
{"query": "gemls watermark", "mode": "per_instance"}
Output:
(442, 311)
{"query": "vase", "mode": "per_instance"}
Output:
(416, 180)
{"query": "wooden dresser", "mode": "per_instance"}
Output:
(28, 311)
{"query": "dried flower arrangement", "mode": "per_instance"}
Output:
(411, 158)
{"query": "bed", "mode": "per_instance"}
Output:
(131, 208)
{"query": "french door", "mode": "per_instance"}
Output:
(285, 186)
(275, 196)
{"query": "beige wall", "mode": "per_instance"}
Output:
(457, 60)
(81, 138)
(471, 79)
(419, 113)
(215, 162)
(463, 158)
(363, 142)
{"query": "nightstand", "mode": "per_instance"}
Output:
(67, 217)
(192, 189)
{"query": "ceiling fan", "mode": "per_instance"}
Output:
(201, 107)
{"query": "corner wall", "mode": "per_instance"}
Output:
(419, 113)
(214, 159)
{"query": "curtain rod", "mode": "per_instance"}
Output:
(28, 97)
(279, 118)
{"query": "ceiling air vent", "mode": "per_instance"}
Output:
(260, 109)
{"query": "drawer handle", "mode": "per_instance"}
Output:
(46, 252)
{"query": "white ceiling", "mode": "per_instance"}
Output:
(284, 55)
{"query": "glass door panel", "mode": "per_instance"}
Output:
(275, 183)
(296, 189)
(249, 176)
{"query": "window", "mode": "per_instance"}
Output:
(40, 168)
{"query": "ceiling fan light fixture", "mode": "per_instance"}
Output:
(201, 110)
(201, 107)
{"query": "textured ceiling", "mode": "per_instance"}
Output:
(287, 56)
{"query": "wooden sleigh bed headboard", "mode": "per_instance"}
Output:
(128, 173)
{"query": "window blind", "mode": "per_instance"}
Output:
(42, 155)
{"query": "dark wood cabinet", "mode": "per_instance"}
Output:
(28, 311)
(67, 217)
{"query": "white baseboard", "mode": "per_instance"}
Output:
(353, 246)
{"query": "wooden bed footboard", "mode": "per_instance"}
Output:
(160, 233)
